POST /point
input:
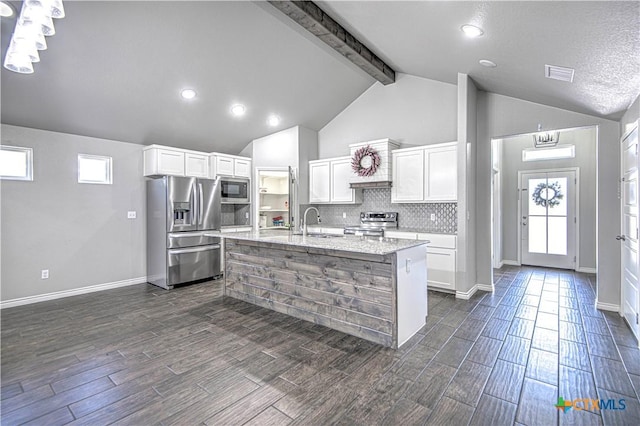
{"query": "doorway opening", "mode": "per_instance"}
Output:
(544, 210)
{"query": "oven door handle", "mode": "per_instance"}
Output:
(195, 249)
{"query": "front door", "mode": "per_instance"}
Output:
(548, 219)
(629, 236)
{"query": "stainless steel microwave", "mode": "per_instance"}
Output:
(235, 191)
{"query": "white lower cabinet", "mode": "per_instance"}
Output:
(441, 257)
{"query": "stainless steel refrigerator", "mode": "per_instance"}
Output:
(180, 210)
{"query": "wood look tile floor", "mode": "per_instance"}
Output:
(142, 355)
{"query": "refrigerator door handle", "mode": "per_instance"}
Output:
(195, 249)
(200, 204)
(194, 204)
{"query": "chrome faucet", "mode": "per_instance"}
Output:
(304, 220)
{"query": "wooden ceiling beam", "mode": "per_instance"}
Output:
(318, 23)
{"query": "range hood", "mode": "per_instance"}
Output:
(372, 176)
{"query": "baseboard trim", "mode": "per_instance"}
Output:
(587, 270)
(607, 307)
(485, 287)
(466, 295)
(511, 263)
(500, 265)
(67, 293)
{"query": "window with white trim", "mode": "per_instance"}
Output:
(558, 152)
(94, 169)
(16, 163)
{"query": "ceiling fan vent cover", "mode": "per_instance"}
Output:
(559, 73)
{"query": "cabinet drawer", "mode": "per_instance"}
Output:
(439, 240)
(400, 235)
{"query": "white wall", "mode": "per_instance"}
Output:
(80, 232)
(412, 111)
(500, 116)
(585, 142)
(630, 117)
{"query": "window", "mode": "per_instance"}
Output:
(557, 153)
(94, 169)
(16, 163)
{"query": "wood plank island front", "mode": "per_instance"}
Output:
(372, 288)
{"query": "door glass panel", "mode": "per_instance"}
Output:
(536, 209)
(556, 193)
(537, 234)
(558, 235)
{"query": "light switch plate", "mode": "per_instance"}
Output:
(344, 215)
(131, 215)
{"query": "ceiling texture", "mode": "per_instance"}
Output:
(115, 69)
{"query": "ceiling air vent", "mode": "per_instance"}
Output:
(559, 73)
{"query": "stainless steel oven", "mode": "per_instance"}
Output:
(235, 191)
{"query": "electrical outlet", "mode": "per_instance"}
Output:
(344, 215)
(433, 217)
(45, 274)
(246, 215)
(131, 215)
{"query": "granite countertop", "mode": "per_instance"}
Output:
(346, 243)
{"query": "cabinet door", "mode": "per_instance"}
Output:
(319, 182)
(224, 165)
(196, 165)
(170, 162)
(341, 192)
(242, 168)
(441, 268)
(442, 174)
(408, 176)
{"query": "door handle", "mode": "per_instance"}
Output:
(621, 237)
(524, 223)
(200, 204)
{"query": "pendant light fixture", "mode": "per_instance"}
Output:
(34, 23)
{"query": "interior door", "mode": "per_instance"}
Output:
(629, 234)
(548, 221)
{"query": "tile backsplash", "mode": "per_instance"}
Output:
(415, 216)
(235, 214)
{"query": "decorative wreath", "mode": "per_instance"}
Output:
(365, 161)
(547, 195)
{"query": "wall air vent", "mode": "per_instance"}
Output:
(559, 73)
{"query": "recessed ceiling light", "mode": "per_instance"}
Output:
(6, 10)
(471, 30)
(273, 120)
(188, 93)
(487, 63)
(238, 110)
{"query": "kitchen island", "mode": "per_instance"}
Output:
(372, 288)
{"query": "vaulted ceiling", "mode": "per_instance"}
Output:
(115, 69)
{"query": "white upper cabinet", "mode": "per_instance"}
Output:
(329, 182)
(442, 173)
(196, 165)
(229, 165)
(425, 174)
(408, 176)
(242, 167)
(319, 190)
(341, 172)
(165, 160)
(159, 160)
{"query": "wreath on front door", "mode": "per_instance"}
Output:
(547, 195)
(365, 161)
